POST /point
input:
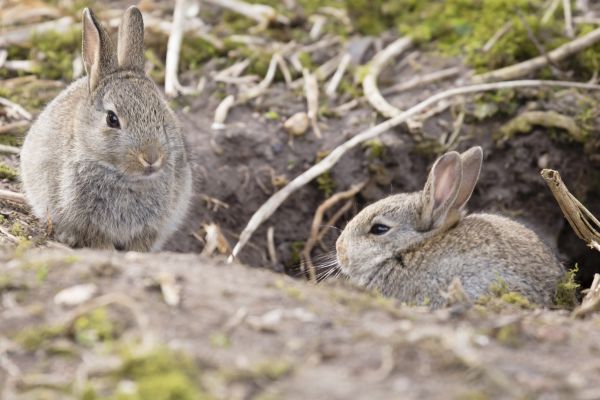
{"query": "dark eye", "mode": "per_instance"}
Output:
(112, 120)
(379, 229)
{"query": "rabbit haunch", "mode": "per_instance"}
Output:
(411, 246)
(105, 162)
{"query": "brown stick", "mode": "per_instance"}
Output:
(316, 224)
(12, 196)
(526, 67)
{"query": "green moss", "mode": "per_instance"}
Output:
(196, 51)
(272, 115)
(291, 291)
(7, 172)
(566, 289)
(219, 340)
(374, 148)
(509, 335)
(55, 52)
(17, 230)
(325, 182)
(499, 290)
(161, 375)
(296, 251)
(306, 61)
(32, 339)
(93, 327)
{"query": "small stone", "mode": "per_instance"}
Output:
(297, 124)
(75, 295)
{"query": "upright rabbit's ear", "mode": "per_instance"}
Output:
(440, 190)
(130, 48)
(97, 50)
(471, 167)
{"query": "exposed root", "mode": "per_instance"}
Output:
(22, 35)
(12, 196)
(261, 13)
(568, 18)
(271, 245)
(422, 80)
(9, 149)
(527, 67)
(370, 88)
(591, 301)
(311, 90)
(497, 36)
(15, 108)
(260, 89)
(222, 111)
(316, 225)
(551, 119)
(273, 203)
(172, 85)
(338, 75)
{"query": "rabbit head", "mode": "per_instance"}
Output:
(125, 125)
(375, 239)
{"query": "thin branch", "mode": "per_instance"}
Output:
(316, 224)
(271, 246)
(370, 88)
(273, 203)
(16, 108)
(311, 91)
(222, 111)
(497, 36)
(9, 149)
(12, 196)
(174, 48)
(338, 75)
(22, 35)
(527, 67)
(568, 18)
(261, 13)
(422, 80)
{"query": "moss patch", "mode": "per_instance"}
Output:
(566, 289)
(7, 172)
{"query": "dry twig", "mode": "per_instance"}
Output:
(591, 301)
(338, 75)
(271, 205)
(316, 224)
(526, 67)
(261, 13)
(9, 149)
(12, 196)
(370, 88)
(172, 84)
(422, 80)
(568, 18)
(311, 91)
(16, 108)
(22, 35)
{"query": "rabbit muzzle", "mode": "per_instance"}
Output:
(151, 159)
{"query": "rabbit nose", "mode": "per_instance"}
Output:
(151, 157)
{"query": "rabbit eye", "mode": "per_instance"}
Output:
(112, 120)
(379, 229)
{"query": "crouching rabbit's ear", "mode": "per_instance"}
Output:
(440, 191)
(471, 167)
(99, 58)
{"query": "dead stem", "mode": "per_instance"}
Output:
(316, 225)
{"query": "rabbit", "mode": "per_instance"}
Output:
(410, 246)
(105, 163)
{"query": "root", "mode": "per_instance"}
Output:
(551, 119)
(12, 196)
(370, 88)
(316, 224)
(527, 67)
(273, 203)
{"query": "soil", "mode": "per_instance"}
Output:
(253, 333)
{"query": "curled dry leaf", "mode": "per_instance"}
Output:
(215, 241)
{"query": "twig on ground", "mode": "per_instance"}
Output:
(497, 36)
(586, 20)
(9, 149)
(551, 119)
(9, 235)
(22, 35)
(583, 222)
(526, 67)
(222, 111)
(263, 85)
(550, 11)
(591, 301)
(285, 71)
(174, 48)
(370, 88)
(318, 22)
(540, 47)
(215, 241)
(311, 91)
(13, 126)
(16, 108)
(422, 80)
(568, 19)
(271, 246)
(307, 263)
(334, 219)
(261, 13)
(338, 75)
(12, 196)
(273, 203)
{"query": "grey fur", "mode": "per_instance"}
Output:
(103, 187)
(430, 243)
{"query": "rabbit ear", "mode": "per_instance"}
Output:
(471, 167)
(440, 190)
(97, 50)
(130, 48)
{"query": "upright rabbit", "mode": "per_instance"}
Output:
(411, 246)
(106, 162)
